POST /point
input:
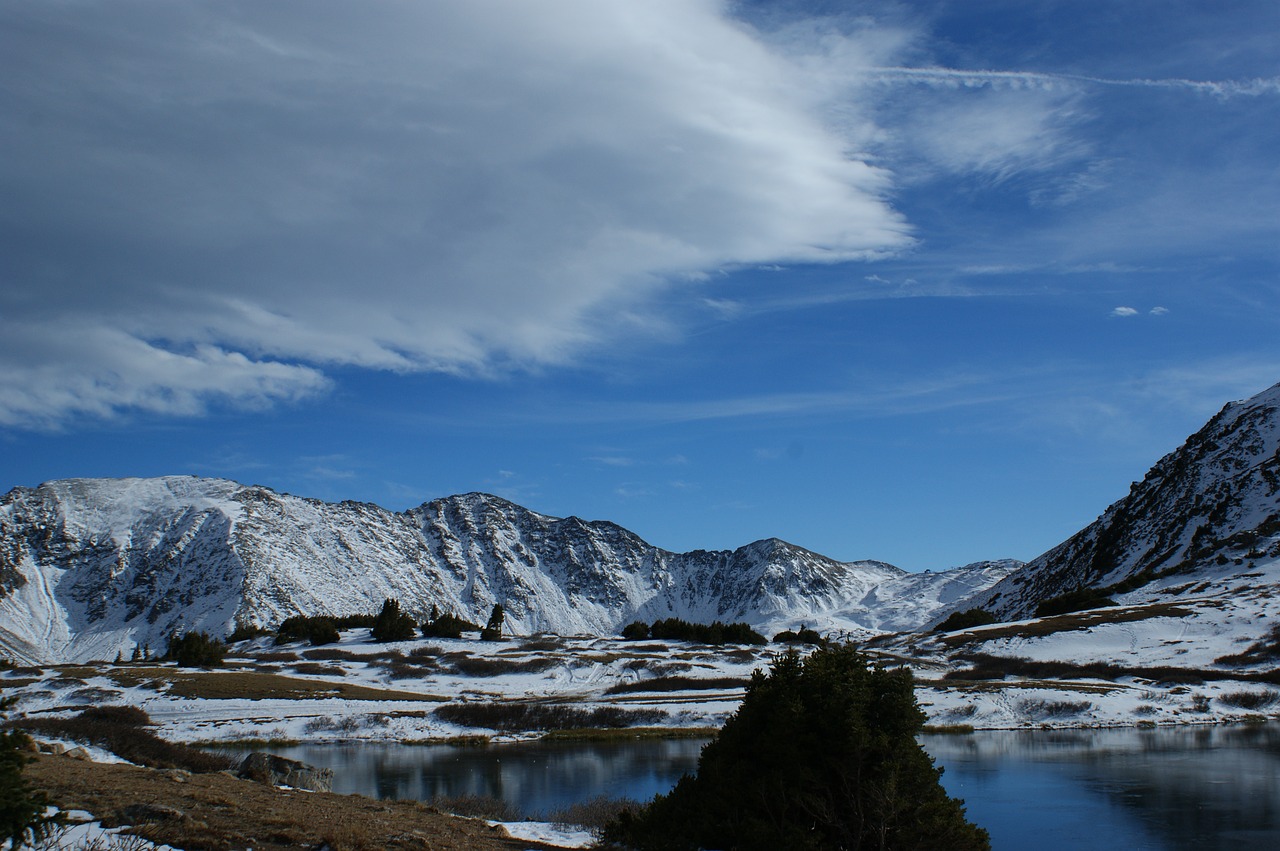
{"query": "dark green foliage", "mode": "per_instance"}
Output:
(244, 632)
(195, 650)
(493, 630)
(22, 809)
(345, 622)
(966, 620)
(636, 631)
(802, 636)
(1074, 601)
(513, 717)
(820, 755)
(119, 729)
(714, 633)
(317, 629)
(391, 624)
(447, 626)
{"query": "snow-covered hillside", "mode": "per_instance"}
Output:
(1214, 500)
(94, 567)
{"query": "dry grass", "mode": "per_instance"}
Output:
(1072, 622)
(665, 684)
(250, 685)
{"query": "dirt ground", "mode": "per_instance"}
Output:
(218, 811)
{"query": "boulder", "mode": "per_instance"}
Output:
(279, 771)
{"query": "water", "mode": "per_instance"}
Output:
(1139, 790)
(538, 777)
(1181, 788)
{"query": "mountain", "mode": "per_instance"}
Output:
(1212, 503)
(94, 567)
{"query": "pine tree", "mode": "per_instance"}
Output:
(22, 809)
(391, 624)
(493, 630)
(820, 755)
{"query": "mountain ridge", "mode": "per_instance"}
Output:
(94, 567)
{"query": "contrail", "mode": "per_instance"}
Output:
(1033, 79)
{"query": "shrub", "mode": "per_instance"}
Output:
(966, 620)
(636, 631)
(22, 809)
(195, 650)
(316, 629)
(514, 717)
(391, 624)
(802, 636)
(595, 813)
(677, 684)
(447, 626)
(246, 631)
(1251, 700)
(714, 633)
(1074, 601)
(820, 754)
(473, 666)
(120, 730)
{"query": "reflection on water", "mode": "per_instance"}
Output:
(1139, 790)
(1181, 788)
(537, 777)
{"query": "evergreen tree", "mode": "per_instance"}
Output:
(195, 649)
(22, 809)
(493, 630)
(820, 755)
(391, 624)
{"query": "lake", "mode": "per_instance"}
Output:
(1171, 788)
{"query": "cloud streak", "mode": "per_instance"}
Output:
(220, 201)
(955, 78)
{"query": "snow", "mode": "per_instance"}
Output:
(548, 832)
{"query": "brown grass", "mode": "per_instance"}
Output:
(250, 685)
(1072, 622)
(221, 812)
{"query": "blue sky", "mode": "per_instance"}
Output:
(921, 282)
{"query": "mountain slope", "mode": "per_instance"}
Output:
(90, 568)
(1212, 501)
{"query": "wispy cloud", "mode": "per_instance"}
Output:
(1124, 311)
(257, 193)
(955, 78)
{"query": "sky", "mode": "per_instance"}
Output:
(922, 282)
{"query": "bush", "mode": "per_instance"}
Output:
(636, 631)
(391, 624)
(1074, 601)
(22, 809)
(966, 620)
(316, 629)
(515, 717)
(803, 636)
(119, 729)
(714, 633)
(447, 626)
(821, 754)
(195, 650)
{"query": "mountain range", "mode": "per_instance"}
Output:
(94, 567)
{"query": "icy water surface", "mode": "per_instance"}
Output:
(1139, 790)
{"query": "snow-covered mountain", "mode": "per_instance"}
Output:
(93, 567)
(1212, 503)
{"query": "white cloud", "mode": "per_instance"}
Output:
(1124, 311)
(215, 200)
(1158, 311)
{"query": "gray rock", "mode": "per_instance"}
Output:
(278, 771)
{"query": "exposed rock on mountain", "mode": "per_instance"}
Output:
(94, 567)
(1215, 501)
